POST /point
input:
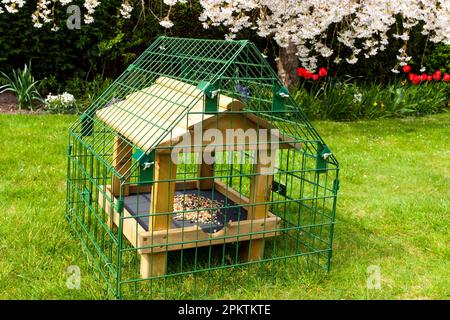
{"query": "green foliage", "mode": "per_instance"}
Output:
(87, 92)
(103, 48)
(48, 85)
(63, 54)
(439, 58)
(347, 100)
(23, 86)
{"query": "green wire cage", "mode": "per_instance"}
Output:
(194, 168)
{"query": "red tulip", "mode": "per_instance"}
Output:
(323, 72)
(301, 72)
(423, 77)
(315, 77)
(437, 75)
(308, 74)
(406, 69)
(446, 77)
(429, 78)
(414, 78)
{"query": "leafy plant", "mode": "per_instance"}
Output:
(438, 58)
(87, 91)
(48, 85)
(23, 85)
(344, 99)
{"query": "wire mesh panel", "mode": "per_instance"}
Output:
(194, 168)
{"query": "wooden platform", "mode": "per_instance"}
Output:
(139, 207)
(179, 237)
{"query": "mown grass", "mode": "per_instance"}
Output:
(392, 212)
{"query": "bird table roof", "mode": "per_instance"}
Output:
(168, 108)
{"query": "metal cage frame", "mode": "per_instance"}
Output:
(155, 218)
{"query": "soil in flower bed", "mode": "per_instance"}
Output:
(8, 105)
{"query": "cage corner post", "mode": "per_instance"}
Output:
(161, 208)
(260, 190)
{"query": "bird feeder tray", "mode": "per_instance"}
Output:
(232, 223)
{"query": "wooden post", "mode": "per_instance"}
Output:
(260, 191)
(121, 162)
(205, 170)
(162, 197)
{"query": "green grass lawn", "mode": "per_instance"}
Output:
(393, 212)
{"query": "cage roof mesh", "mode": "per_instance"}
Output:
(157, 96)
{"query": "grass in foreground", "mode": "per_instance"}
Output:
(392, 212)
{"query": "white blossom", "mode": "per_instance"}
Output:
(90, 6)
(166, 23)
(170, 2)
(42, 13)
(125, 10)
(12, 6)
(361, 27)
(306, 23)
(352, 60)
(337, 60)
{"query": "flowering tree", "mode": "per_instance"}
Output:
(305, 30)
(309, 29)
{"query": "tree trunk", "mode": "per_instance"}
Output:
(287, 66)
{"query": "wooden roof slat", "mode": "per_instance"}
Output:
(147, 115)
